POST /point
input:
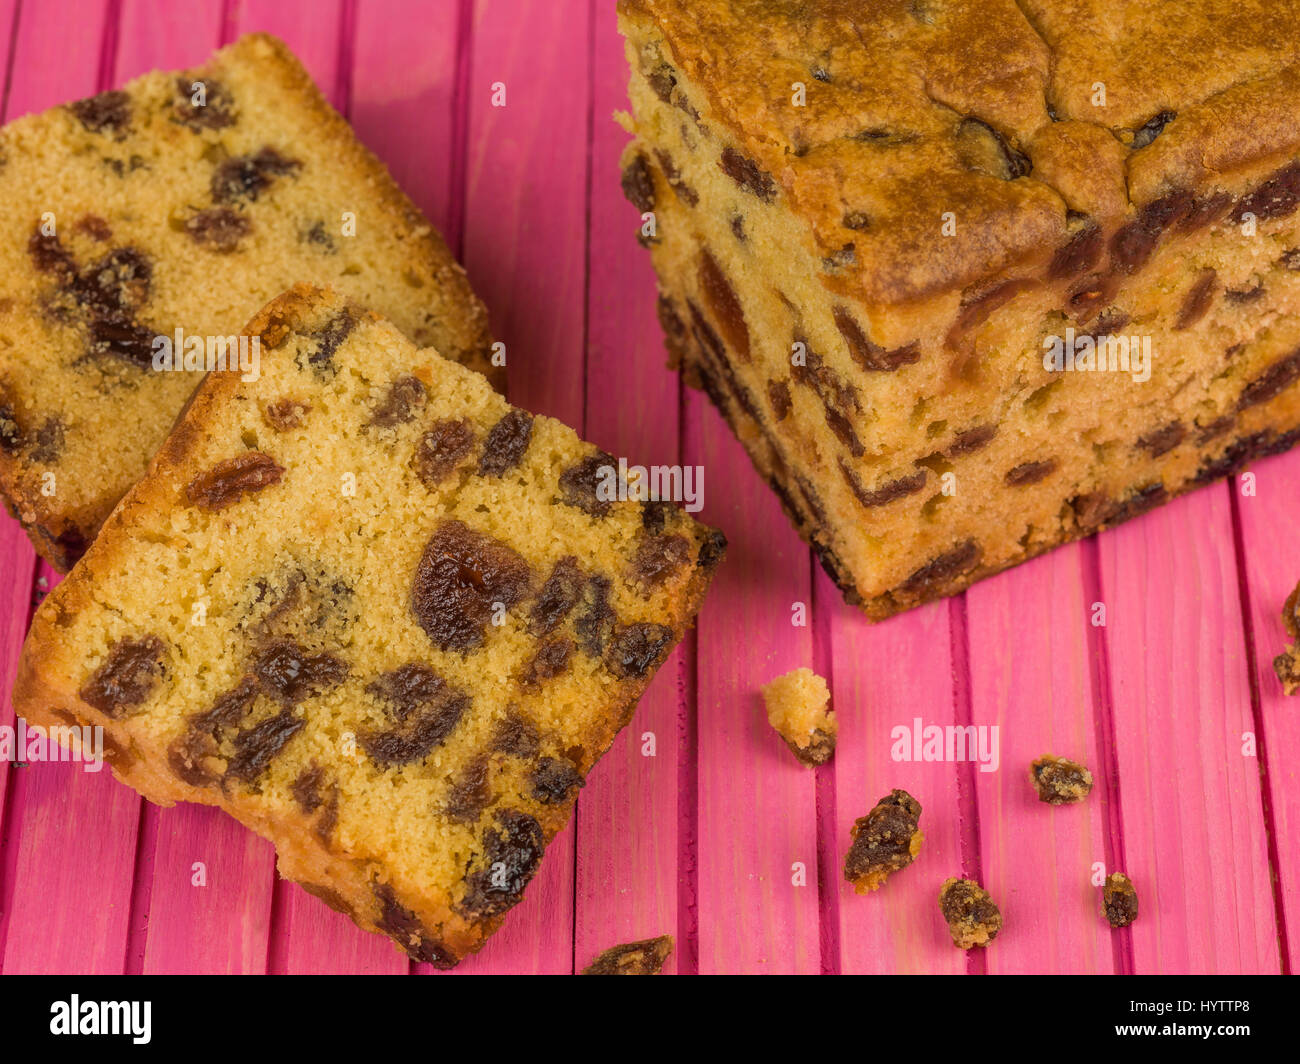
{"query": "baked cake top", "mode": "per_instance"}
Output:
(365, 596)
(186, 200)
(985, 108)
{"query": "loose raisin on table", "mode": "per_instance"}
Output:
(885, 841)
(972, 918)
(126, 676)
(1060, 781)
(232, 478)
(646, 957)
(1119, 900)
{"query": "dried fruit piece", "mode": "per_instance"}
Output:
(248, 176)
(589, 484)
(558, 596)
(973, 920)
(885, 841)
(404, 928)
(126, 676)
(646, 957)
(798, 708)
(747, 174)
(511, 851)
(219, 228)
(231, 479)
(639, 183)
(255, 747)
(551, 659)
(938, 571)
(425, 710)
(553, 779)
(404, 396)
(1119, 900)
(1060, 781)
(657, 559)
(506, 443)
(1029, 473)
(108, 112)
(636, 649)
(1287, 664)
(442, 449)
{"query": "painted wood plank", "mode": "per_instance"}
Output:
(1193, 833)
(71, 834)
(1029, 632)
(1271, 571)
(885, 676)
(525, 233)
(757, 815)
(628, 814)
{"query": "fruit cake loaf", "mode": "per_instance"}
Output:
(877, 225)
(376, 614)
(185, 201)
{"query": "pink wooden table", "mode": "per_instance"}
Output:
(1172, 703)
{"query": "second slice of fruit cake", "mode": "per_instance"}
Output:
(376, 614)
(186, 200)
(877, 224)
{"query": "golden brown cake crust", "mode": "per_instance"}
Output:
(349, 850)
(921, 107)
(125, 217)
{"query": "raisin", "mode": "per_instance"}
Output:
(944, 568)
(119, 281)
(633, 958)
(712, 549)
(553, 779)
(256, 747)
(1163, 440)
(216, 111)
(49, 255)
(887, 492)
(662, 82)
(558, 596)
(404, 396)
(330, 338)
(108, 112)
(1242, 296)
(512, 850)
(514, 735)
(291, 675)
(1086, 299)
(94, 227)
(551, 659)
(404, 928)
(639, 183)
(885, 841)
(1197, 301)
(317, 234)
(725, 305)
(1215, 429)
(748, 174)
(1272, 382)
(872, 357)
(972, 918)
(587, 485)
(637, 649)
(48, 444)
(1291, 614)
(1205, 211)
(971, 440)
(658, 558)
(985, 150)
(670, 321)
(1290, 260)
(843, 430)
(470, 793)
(1151, 128)
(1079, 254)
(248, 176)
(306, 789)
(202, 737)
(426, 708)
(1111, 322)
(122, 338)
(1275, 198)
(778, 394)
(285, 414)
(738, 227)
(858, 221)
(1119, 900)
(11, 433)
(1093, 510)
(461, 576)
(1059, 781)
(441, 449)
(684, 191)
(654, 515)
(595, 622)
(1132, 244)
(125, 677)
(506, 443)
(1029, 473)
(218, 228)
(1141, 501)
(231, 479)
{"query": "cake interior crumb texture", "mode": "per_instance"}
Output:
(376, 614)
(185, 201)
(897, 243)
(798, 709)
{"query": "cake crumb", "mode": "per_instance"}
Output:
(886, 840)
(798, 708)
(973, 920)
(1119, 900)
(646, 957)
(1060, 781)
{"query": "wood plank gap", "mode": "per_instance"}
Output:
(828, 862)
(108, 46)
(454, 232)
(1257, 718)
(9, 62)
(137, 929)
(1104, 723)
(967, 803)
(688, 740)
(9, 838)
(347, 42)
(229, 19)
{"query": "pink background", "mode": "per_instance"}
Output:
(700, 840)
